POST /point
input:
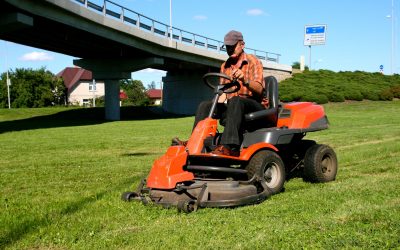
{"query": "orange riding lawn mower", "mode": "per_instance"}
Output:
(273, 150)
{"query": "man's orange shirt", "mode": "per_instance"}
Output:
(252, 70)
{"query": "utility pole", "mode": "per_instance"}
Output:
(393, 42)
(94, 92)
(8, 90)
(393, 60)
(8, 80)
(170, 20)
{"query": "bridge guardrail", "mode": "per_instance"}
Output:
(125, 15)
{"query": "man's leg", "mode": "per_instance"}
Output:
(237, 108)
(203, 110)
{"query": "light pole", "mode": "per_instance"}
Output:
(393, 42)
(170, 20)
(392, 54)
(8, 80)
(94, 92)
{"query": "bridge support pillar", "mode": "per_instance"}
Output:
(112, 107)
(183, 91)
(111, 88)
(111, 71)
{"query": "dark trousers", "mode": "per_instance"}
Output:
(231, 115)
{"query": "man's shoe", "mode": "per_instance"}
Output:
(177, 142)
(222, 150)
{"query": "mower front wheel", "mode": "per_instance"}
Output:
(269, 167)
(187, 206)
(320, 164)
(128, 196)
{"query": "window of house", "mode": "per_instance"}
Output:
(85, 102)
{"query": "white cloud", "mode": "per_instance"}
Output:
(200, 17)
(255, 12)
(36, 56)
(150, 70)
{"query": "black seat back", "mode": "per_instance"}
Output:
(272, 91)
(269, 116)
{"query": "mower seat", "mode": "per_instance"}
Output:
(269, 116)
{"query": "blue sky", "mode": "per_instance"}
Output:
(359, 32)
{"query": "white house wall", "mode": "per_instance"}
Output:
(80, 92)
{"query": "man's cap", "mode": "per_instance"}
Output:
(232, 37)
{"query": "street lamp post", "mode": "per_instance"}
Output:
(8, 90)
(170, 20)
(8, 80)
(392, 54)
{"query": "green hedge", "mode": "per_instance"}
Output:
(327, 86)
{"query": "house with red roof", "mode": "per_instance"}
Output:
(155, 96)
(81, 87)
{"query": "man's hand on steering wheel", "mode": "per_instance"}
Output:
(237, 74)
(225, 83)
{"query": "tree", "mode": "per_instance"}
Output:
(32, 88)
(136, 92)
(296, 65)
(152, 85)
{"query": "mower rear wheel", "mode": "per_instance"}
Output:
(320, 164)
(269, 167)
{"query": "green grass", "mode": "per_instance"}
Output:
(62, 172)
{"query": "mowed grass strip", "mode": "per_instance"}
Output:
(62, 173)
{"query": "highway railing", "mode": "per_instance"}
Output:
(111, 9)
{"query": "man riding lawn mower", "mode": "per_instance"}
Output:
(191, 175)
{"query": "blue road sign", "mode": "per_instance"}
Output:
(315, 30)
(381, 67)
(314, 34)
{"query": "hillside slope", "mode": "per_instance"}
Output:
(327, 86)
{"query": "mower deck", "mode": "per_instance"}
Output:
(202, 193)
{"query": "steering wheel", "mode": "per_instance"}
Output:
(212, 80)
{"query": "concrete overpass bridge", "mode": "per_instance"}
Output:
(113, 41)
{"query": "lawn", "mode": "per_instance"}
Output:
(62, 172)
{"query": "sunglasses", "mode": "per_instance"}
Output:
(230, 47)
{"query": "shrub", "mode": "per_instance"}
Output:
(285, 98)
(354, 95)
(370, 95)
(336, 97)
(291, 97)
(386, 95)
(339, 86)
(395, 91)
(320, 99)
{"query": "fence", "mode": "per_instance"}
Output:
(125, 15)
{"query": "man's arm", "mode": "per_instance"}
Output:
(255, 81)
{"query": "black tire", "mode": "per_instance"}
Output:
(269, 167)
(320, 164)
(128, 196)
(187, 206)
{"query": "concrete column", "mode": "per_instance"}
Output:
(111, 71)
(112, 108)
(183, 91)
